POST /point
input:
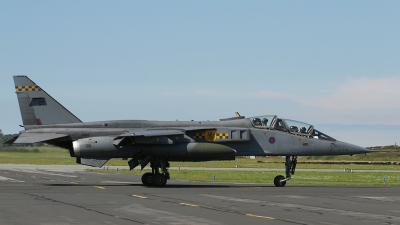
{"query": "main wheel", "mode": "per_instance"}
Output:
(278, 182)
(159, 180)
(147, 179)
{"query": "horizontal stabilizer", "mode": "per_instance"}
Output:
(27, 138)
(11, 141)
(95, 162)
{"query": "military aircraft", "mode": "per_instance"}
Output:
(160, 142)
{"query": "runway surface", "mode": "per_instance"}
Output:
(57, 195)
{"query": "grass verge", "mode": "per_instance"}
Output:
(309, 178)
(53, 155)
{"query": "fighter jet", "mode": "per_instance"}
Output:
(157, 143)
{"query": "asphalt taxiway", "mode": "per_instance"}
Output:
(56, 195)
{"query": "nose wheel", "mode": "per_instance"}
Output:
(290, 167)
(278, 181)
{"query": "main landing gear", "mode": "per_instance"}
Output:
(290, 166)
(157, 178)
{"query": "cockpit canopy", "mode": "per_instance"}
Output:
(263, 121)
(272, 122)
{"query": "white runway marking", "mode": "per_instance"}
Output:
(291, 196)
(383, 199)
(119, 182)
(154, 216)
(365, 216)
(232, 198)
(46, 173)
(9, 179)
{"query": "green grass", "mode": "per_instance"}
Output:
(53, 155)
(33, 152)
(35, 155)
(279, 163)
(309, 178)
(376, 156)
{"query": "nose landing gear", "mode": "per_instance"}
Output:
(290, 166)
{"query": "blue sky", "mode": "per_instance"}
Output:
(334, 64)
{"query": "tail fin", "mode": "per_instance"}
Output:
(39, 108)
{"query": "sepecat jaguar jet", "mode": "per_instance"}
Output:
(159, 142)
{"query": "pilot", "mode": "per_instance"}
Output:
(303, 130)
(265, 121)
(294, 129)
(279, 125)
(257, 122)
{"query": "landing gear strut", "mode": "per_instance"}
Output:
(157, 178)
(290, 166)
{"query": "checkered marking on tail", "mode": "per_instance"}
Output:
(27, 88)
(222, 136)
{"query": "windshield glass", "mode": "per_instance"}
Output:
(262, 121)
(319, 135)
(298, 127)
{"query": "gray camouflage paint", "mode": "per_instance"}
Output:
(46, 120)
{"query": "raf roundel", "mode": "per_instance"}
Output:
(271, 140)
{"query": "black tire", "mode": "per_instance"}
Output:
(277, 181)
(159, 180)
(147, 179)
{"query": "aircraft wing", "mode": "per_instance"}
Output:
(156, 136)
(152, 132)
(161, 132)
(27, 138)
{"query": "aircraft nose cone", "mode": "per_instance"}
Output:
(349, 149)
